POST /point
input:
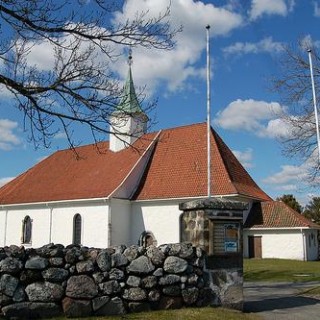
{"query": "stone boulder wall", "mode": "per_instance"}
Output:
(78, 281)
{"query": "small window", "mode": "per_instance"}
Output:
(147, 239)
(77, 229)
(26, 230)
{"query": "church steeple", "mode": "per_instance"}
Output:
(129, 102)
(128, 122)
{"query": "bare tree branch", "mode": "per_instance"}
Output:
(79, 86)
(294, 86)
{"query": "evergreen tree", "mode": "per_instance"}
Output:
(291, 201)
(312, 210)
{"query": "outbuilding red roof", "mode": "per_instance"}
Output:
(176, 169)
(276, 214)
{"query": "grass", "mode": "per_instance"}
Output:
(314, 292)
(181, 314)
(278, 270)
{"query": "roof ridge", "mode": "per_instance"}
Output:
(298, 215)
(214, 134)
(180, 127)
(150, 146)
(276, 214)
(228, 162)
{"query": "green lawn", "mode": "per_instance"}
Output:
(277, 270)
(281, 270)
(182, 314)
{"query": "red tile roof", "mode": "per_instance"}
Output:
(179, 167)
(91, 173)
(176, 169)
(276, 214)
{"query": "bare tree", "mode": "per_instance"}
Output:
(79, 87)
(294, 86)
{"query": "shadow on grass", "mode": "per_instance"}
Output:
(279, 303)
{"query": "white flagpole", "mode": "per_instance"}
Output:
(314, 103)
(208, 114)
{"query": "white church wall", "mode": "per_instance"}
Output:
(55, 224)
(278, 243)
(94, 228)
(40, 218)
(2, 227)
(162, 218)
(120, 221)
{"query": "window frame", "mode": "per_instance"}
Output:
(26, 237)
(77, 229)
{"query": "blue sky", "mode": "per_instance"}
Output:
(246, 43)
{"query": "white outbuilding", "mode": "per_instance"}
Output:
(274, 230)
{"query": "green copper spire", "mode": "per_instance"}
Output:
(129, 103)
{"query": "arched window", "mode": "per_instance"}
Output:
(26, 229)
(77, 229)
(147, 239)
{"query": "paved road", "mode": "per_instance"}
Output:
(273, 301)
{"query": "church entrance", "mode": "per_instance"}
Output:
(147, 239)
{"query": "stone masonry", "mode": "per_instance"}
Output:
(79, 281)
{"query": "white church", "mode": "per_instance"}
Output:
(129, 192)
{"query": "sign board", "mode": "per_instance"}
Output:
(231, 237)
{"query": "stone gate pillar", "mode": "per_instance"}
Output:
(216, 226)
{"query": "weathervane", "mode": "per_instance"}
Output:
(130, 56)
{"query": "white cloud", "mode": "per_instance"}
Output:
(42, 158)
(4, 181)
(60, 135)
(316, 11)
(270, 7)
(265, 45)
(7, 136)
(287, 188)
(258, 117)
(298, 178)
(292, 179)
(245, 157)
(276, 128)
(174, 67)
(41, 55)
(5, 93)
(288, 175)
(307, 42)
